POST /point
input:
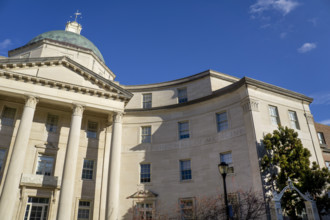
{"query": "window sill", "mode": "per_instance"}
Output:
(187, 181)
(144, 184)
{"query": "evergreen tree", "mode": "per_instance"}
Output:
(285, 157)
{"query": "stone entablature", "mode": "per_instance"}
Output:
(33, 180)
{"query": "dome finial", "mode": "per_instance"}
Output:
(74, 26)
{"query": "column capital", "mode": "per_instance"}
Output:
(78, 109)
(31, 101)
(249, 104)
(118, 117)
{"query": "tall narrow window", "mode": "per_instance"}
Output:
(147, 100)
(8, 116)
(145, 174)
(88, 168)
(227, 158)
(84, 210)
(327, 164)
(2, 158)
(45, 165)
(36, 208)
(51, 124)
(182, 95)
(144, 210)
(91, 129)
(146, 134)
(321, 137)
(222, 121)
(185, 170)
(187, 208)
(294, 120)
(274, 115)
(183, 130)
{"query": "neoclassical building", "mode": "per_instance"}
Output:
(75, 144)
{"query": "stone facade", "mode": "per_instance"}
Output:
(75, 141)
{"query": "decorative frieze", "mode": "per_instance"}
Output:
(250, 105)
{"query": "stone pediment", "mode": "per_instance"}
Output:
(61, 73)
(143, 194)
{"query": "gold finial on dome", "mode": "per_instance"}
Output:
(74, 26)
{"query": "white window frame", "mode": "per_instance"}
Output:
(83, 176)
(185, 177)
(146, 136)
(274, 115)
(320, 135)
(42, 164)
(84, 208)
(144, 210)
(44, 208)
(184, 133)
(222, 124)
(147, 100)
(142, 172)
(327, 164)
(230, 162)
(52, 123)
(5, 120)
(91, 131)
(182, 207)
(182, 95)
(294, 120)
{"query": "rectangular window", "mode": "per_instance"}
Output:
(147, 100)
(146, 134)
(45, 165)
(8, 116)
(187, 208)
(294, 120)
(91, 129)
(274, 115)
(88, 168)
(327, 164)
(185, 170)
(84, 210)
(222, 121)
(321, 137)
(145, 173)
(227, 158)
(51, 124)
(182, 95)
(2, 158)
(36, 208)
(143, 210)
(183, 130)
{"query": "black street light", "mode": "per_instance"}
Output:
(223, 169)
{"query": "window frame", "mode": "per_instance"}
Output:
(91, 133)
(192, 208)
(184, 176)
(145, 210)
(3, 162)
(4, 121)
(146, 104)
(146, 138)
(294, 122)
(219, 122)
(44, 166)
(144, 173)
(182, 98)
(29, 205)
(231, 169)
(181, 132)
(327, 164)
(88, 169)
(271, 116)
(320, 136)
(83, 208)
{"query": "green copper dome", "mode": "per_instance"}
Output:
(70, 38)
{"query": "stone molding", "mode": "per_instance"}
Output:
(78, 110)
(118, 117)
(309, 118)
(33, 180)
(31, 101)
(250, 105)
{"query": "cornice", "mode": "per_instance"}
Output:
(178, 82)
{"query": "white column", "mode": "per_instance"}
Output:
(114, 169)
(15, 168)
(69, 170)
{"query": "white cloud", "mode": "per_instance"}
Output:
(325, 122)
(321, 98)
(5, 43)
(283, 6)
(306, 47)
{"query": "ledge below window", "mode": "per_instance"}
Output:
(34, 180)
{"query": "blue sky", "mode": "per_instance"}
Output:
(282, 42)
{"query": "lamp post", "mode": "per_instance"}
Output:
(223, 169)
